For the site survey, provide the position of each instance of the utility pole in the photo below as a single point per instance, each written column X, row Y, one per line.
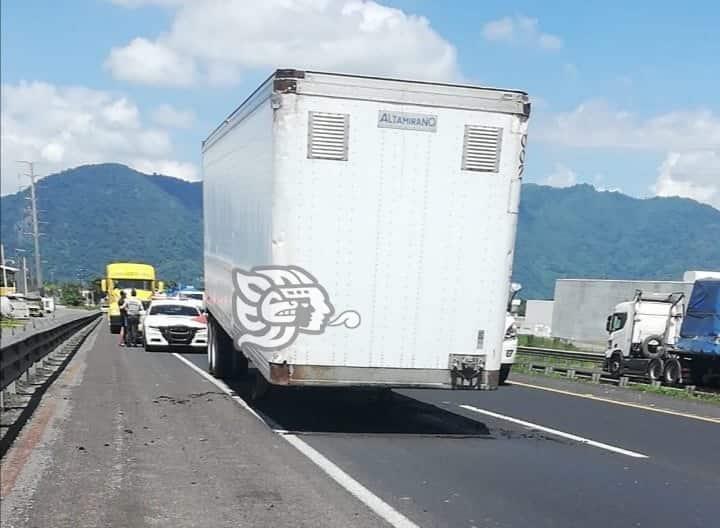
column 25, row 270
column 2, row 261
column 35, row 232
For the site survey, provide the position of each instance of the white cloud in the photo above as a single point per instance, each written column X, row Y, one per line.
column 596, row 124
column 693, row 175
column 177, row 169
column 521, row 30
column 61, row 127
column 502, row 29
column 149, row 62
column 561, row 176
column 217, row 40
column 169, row 116
column 690, row 140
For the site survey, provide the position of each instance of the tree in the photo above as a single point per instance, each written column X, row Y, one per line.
column 96, row 287
column 72, row 295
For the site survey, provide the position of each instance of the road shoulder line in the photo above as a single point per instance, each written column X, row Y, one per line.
column 556, row 432
column 360, row 492
column 616, row 402
column 222, row 386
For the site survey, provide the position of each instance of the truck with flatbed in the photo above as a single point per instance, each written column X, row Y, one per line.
column 360, row 231
column 666, row 337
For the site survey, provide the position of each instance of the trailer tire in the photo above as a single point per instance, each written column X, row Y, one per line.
column 504, row 373
column 655, row 369
column 672, row 374
column 223, row 360
column 615, row 365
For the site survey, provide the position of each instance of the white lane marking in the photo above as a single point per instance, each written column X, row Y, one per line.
column 372, row 501
column 220, row 385
column 357, row 490
column 556, row 432
column 625, row 404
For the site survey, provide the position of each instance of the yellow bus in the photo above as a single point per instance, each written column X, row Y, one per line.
column 128, row 276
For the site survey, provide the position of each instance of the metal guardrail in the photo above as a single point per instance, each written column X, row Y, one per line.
column 19, row 356
column 570, row 355
column 594, row 374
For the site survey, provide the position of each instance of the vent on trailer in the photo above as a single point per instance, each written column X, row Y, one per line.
column 328, row 136
column 481, row 148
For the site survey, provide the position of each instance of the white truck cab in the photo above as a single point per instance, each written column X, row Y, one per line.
column 48, row 304
column 640, row 330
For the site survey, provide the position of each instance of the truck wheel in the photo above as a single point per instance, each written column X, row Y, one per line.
column 615, row 365
column 217, row 358
column 223, row 360
column 504, row 373
column 655, row 369
column 652, row 347
column 672, row 375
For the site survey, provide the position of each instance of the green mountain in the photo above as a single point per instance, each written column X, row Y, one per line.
column 581, row 232
column 99, row 213
column 96, row 214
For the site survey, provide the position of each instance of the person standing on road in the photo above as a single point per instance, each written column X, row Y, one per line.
column 133, row 307
column 123, row 317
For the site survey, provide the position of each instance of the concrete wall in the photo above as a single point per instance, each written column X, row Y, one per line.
column 582, row 305
column 538, row 318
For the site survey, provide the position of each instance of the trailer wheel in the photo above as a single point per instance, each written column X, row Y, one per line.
column 211, row 347
column 217, row 356
column 655, row 369
column 504, row 373
column 615, row 365
column 223, row 360
column 652, row 347
column 672, row 375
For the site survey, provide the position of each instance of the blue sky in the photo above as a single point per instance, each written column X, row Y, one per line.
column 625, row 93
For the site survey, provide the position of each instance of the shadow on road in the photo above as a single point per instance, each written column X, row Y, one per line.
column 345, row 411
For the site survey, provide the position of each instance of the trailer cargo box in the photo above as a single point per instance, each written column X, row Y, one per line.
column 360, row 231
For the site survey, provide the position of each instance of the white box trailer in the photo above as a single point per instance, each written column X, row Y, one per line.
column 360, row 231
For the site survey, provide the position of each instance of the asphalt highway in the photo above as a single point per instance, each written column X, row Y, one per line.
column 129, row 438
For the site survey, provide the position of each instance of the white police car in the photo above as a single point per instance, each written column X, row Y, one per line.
column 174, row 323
